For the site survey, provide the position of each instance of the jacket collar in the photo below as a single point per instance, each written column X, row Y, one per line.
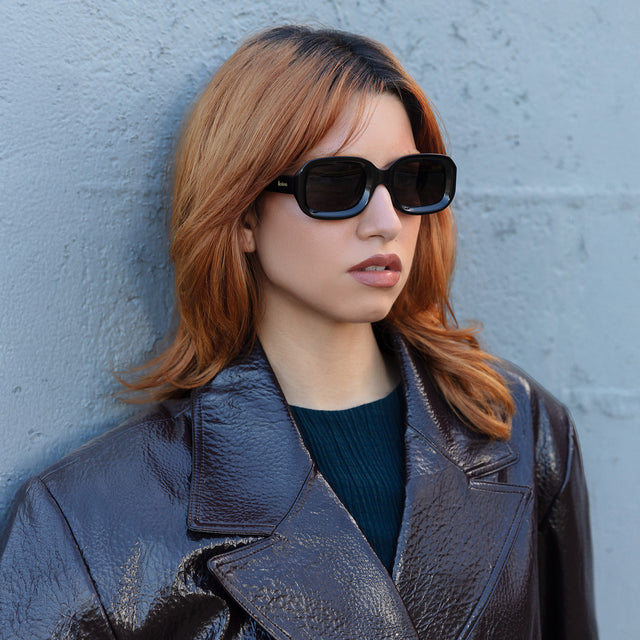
column 253, row 476
column 429, row 415
column 250, row 463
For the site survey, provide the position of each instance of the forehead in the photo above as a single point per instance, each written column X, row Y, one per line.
column 371, row 126
column 348, row 126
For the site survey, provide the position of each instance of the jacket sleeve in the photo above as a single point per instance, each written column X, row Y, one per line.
column 45, row 588
column 564, row 539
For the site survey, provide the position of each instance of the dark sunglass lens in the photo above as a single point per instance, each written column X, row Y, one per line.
column 334, row 186
column 419, row 182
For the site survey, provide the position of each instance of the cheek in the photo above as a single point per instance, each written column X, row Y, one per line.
column 411, row 232
column 286, row 238
column 297, row 253
column 285, row 243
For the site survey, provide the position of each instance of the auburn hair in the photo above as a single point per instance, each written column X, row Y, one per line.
column 271, row 102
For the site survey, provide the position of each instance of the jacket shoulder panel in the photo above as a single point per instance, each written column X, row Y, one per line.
column 126, row 478
column 38, row 529
column 552, row 430
column 120, row 447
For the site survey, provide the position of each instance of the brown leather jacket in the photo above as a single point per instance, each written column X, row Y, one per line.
column 207, row 519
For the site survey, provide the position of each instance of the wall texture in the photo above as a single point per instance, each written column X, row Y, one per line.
column 540, row 101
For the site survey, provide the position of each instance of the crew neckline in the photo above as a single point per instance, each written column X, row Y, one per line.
column 373, row 404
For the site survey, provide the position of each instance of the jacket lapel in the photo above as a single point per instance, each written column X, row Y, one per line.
column 249, row 461
column 311, row 572
column 314, row 575
column 458, row 525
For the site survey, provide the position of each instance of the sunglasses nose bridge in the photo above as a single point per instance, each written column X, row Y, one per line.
column 378, row 177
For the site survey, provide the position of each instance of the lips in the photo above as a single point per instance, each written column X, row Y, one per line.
column 378, row 271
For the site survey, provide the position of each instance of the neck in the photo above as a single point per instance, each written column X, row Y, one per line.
column 329, row 367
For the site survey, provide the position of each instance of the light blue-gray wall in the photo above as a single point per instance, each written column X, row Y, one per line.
column 540, row 100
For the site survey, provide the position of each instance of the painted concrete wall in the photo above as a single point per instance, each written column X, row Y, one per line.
column 540, row 101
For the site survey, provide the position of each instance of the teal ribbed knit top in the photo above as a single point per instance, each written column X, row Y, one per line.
column 360, row 452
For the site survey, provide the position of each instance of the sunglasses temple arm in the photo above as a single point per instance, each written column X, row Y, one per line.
column 282, row 184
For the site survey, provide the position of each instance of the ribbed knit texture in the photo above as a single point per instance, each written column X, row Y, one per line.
column 360, row 452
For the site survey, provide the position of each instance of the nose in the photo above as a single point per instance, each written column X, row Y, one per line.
column 379, row 217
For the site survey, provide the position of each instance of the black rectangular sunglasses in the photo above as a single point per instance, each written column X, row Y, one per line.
column 340, row 187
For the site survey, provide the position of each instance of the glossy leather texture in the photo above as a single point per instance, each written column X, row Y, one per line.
column 206, row 519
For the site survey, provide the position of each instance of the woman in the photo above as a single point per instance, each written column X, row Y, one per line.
column 332, row 457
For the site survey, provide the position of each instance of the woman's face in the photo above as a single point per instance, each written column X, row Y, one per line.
column 317, row 269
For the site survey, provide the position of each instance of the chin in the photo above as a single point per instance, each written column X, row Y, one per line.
column 376, row 310
column 372, row 315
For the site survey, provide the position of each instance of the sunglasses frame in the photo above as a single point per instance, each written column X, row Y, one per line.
column 295, row 184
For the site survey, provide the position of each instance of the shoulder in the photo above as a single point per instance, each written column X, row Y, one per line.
column 157, row 427
column 148, row 455
column 550, row 427
column 75, row 529
column 548, row 417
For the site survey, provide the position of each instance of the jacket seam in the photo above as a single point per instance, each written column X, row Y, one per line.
column 250, row 608
column 479, row 470
column 247, row 529
column 246, row 603
column 242, row 553
column 297, row 501
column 198, row 447
column 77, row 546
column 178, row 414
column 544, row 521
column 116, row 436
